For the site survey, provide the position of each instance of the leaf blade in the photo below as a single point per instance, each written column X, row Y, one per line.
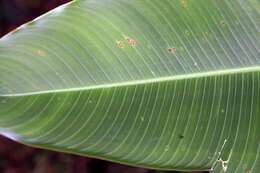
column 109, row 78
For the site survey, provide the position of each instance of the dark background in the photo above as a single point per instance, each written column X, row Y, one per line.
column 17, row 158
column 16, row 12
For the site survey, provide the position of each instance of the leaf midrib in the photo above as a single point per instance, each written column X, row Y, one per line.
column 144, row 81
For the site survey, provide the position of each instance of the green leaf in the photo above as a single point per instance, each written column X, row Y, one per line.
column 164, row 84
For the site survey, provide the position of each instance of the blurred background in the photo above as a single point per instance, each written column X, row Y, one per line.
column 17, row 158
column 16, row 12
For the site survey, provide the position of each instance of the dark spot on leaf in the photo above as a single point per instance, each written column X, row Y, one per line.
column 181, row 136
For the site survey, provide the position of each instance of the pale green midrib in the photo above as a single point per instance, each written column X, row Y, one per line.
column 145, row 81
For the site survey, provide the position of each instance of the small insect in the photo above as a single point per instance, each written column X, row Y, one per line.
column 120, row 44
column 131, row 41
column 172, row 50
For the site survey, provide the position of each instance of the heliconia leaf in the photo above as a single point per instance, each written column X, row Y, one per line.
column 165, row 84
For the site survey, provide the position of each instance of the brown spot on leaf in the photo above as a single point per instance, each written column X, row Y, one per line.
column 131, row 41
column 172, row 50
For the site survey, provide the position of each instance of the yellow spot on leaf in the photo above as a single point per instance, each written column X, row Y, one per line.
column 41, row 52
column 29, row 133
column 120, row 44
column 184, row 3
column 222, row 23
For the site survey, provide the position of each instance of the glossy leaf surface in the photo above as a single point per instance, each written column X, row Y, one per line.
column 165, row 84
